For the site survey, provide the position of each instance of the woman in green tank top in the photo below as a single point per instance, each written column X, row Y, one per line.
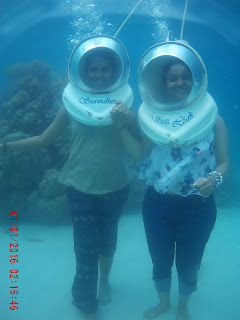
column 97, row 177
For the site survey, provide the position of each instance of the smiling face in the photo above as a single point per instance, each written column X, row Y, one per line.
column 99, row 73
column 178, row 81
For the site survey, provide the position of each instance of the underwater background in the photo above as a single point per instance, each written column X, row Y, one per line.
column 36, row 40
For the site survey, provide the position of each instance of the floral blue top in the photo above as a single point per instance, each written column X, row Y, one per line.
column 175, row 169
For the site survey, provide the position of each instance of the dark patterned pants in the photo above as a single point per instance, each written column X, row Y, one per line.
column 95, row 225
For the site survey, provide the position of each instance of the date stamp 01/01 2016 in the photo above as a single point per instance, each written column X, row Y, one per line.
column 13, row 259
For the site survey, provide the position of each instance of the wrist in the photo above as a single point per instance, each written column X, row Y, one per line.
column 123, row 130
column 217, row 177
column 120, row 125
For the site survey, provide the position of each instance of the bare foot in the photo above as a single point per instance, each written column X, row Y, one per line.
column 87, row 316
column 104, row 292
column 182, row 314
column 156, row 311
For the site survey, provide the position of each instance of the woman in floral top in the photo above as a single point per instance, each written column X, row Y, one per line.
column 179, row 210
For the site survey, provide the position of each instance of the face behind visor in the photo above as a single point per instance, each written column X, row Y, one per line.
column 171, row 76
column 177, row 80
column 99, row 64
column 100, row 69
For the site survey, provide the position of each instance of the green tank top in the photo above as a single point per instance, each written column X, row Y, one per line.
column 98, row 162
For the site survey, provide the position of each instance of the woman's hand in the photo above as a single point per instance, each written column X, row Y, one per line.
column 205, row 185
column 118, row 114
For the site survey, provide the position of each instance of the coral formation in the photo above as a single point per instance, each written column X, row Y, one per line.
column 28, row 107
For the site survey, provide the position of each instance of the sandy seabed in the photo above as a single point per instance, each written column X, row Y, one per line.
column 47, row 265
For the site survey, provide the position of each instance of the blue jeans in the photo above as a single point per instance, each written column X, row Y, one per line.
column 95, row 225
column 179, row 226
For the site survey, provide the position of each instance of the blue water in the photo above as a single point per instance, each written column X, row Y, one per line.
column 44, row 29
column 41, row 30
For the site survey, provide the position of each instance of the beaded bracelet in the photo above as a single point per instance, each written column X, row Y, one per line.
column 218, row 177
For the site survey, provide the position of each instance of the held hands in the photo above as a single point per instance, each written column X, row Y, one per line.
column 205, row 185
column 118, row 114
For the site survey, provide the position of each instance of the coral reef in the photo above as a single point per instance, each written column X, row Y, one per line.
column 28, row 107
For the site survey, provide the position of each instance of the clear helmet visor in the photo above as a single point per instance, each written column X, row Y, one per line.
column 171, row 76
column 99, row 64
